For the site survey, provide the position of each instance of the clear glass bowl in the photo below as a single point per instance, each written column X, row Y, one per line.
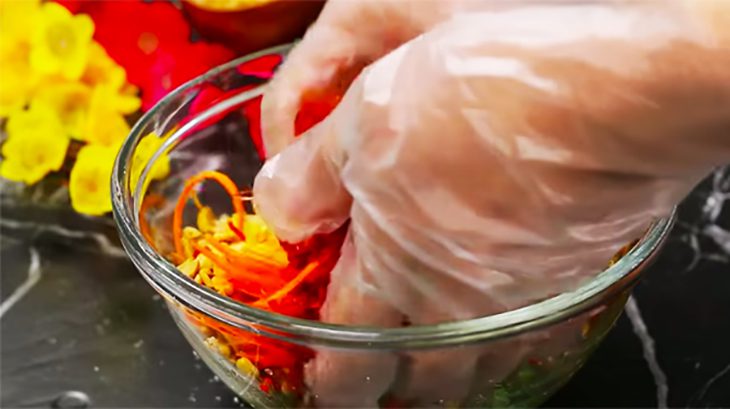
column 513, row 359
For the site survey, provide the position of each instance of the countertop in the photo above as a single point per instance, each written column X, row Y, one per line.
column 80, row 327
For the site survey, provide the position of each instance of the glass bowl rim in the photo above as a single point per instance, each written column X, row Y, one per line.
column 167, row 280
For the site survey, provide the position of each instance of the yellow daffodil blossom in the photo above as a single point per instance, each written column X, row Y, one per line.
column 60, row 42
column 17, row 20
column 102, row 70
column 89, row 184
column 70, row 100
column 17, row 83
column 144, row 151
column 105, row 125
column 121, row 100
column 36, row 145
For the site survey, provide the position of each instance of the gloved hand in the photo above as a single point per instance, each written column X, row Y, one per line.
column 501, row 157
column 347, row 36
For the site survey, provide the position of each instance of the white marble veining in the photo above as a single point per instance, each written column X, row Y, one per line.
column 647, row 344
column 709, row 225
column 702, row 392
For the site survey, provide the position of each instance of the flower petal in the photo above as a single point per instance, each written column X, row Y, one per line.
column 89, row 184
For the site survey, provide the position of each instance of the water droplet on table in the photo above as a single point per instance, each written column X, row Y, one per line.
column 71, row 400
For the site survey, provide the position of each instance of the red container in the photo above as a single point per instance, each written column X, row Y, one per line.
column 250, row 25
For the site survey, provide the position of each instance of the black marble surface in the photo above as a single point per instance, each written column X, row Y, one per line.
column 79, row 326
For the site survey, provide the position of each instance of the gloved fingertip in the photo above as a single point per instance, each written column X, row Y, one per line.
column 274, row 208
column 278, row 110
column 299, row 193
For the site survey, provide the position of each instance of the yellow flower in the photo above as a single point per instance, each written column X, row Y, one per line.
column 61, row 42
column 89, row 184
column 104, row 125
column 36, row 145
column 17, row 21
column 70, row 100
column 123, row 100
column 17, row 18
column 16, row 81
column 102, row 70
column 144, row 151
column 16, row 84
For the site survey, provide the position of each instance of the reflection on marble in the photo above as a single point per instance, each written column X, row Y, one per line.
column 75, row 317
column 34, row 274
column 105, row 245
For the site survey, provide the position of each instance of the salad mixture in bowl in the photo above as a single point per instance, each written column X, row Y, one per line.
column 250, row 304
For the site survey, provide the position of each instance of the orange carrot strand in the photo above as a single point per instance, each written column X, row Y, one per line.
column 236, row 231
column 196, row 200
column 222, row 264
column 251, row 256
column 241, row 266
column 224, row 181
column 291, row 285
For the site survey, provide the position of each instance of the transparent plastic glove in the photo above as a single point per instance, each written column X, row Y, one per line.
column 498, row 159
column 347, row 36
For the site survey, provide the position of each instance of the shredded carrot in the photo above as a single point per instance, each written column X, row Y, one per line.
column 224, row 265
column 240, row 270
column 282, row 292
column 196, row 200
column 236, row 231
column 225, row 182
column 258, row 270
column 240, row 265
column 243, row 259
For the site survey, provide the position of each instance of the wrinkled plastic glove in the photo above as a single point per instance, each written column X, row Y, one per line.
column 347, row 36
column 499, row 158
